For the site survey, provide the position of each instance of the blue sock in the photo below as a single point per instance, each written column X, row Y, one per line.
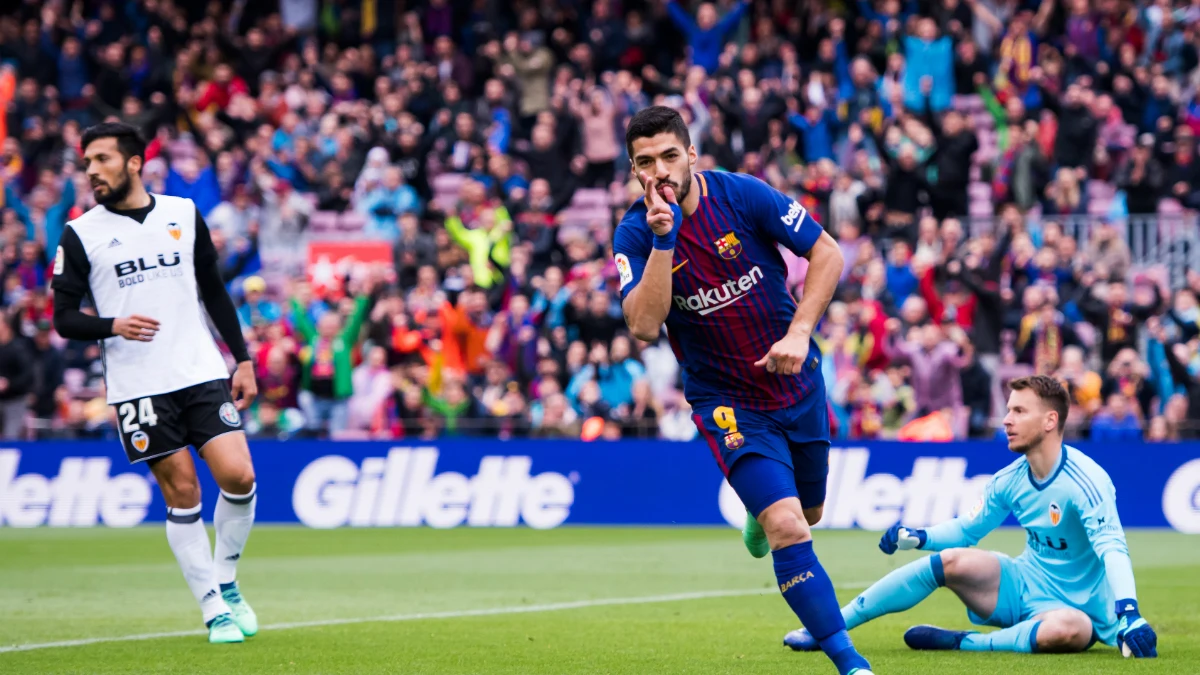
column 900, row 590
column 1019, row 638
column 809, row 592
column 228, row 586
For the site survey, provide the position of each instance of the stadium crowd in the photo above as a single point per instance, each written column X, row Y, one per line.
column 977, row 160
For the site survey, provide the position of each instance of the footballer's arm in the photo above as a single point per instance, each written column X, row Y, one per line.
column 963, row 531
column 70, row 284
column 647, row 305
column 1103, row 526
column 224, row 315
column 825, row 263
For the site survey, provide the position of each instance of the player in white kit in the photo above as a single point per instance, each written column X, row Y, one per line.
column 145, row 262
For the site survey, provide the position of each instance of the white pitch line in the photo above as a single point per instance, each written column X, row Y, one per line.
column 421, row 616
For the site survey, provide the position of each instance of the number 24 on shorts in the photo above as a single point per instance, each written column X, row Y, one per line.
column 144, row 411
column 724, row 418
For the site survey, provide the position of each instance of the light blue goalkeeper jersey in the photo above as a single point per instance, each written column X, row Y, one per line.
column 1074, row 537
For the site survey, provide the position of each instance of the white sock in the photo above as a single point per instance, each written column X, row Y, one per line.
column 189, row 543
column 233, row 520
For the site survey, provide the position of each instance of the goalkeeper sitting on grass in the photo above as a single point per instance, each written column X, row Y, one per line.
column 1073, row 584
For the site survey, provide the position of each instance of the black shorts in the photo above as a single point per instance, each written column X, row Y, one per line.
column 156, row 426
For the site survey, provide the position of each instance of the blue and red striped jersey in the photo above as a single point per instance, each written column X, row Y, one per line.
column 729, row 301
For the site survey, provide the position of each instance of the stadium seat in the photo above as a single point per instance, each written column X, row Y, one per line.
column 968, row 103
column 1170, row 207
column 323, row 221
column 352, row 221
column 590, row 197
column 448, row 182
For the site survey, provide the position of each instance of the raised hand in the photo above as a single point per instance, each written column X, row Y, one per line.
column 660, row 217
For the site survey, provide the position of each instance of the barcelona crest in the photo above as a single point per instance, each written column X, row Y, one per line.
column 735, row 440
column 728, row 247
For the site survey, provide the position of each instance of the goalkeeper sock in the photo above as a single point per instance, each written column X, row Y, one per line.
column 1019, row 638
column 809, row 592
column 900, row 590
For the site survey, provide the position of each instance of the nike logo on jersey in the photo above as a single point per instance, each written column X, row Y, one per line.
column 114, row 242
column 676, row 268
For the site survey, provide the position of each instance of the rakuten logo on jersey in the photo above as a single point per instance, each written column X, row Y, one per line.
column 81, row 495
column 709, row 300
column 404, row 489
column 936, row 490
column 1181, row 498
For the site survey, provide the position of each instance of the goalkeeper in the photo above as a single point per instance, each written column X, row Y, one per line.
column 1071, row 587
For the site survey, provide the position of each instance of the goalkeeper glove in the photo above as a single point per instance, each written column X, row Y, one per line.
column 1135, row 637
column 901, row 538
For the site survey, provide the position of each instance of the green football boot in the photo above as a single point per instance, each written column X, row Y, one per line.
column 754, row 538
column 243, row 616
column 223, row 630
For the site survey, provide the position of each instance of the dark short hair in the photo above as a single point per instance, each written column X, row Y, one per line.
column 129, row 141
column 652, row 121
column 1050, row 391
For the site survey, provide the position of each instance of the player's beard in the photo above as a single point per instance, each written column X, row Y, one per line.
column 115, row 193
column 681, row 189
column 1024, row 448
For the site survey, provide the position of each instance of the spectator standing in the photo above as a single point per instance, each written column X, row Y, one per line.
column 1116, row 422
column 597, row 115
column 1116, row 319
column 706, row 35
column 929, row 67
column 1141, row 177
column 16, row 379
column 936, row 363
column 327, row 371
column 387, row 203
column 47, row 365
column 256, row 310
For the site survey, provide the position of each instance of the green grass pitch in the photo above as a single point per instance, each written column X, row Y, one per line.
column 519, row 602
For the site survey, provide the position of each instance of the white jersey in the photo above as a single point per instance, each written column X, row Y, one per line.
column 147, row 268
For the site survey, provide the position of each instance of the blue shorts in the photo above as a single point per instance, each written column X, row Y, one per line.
column 1025, row 592
column 795, row 440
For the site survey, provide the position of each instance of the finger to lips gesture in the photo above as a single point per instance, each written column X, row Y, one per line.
column 659, row 215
